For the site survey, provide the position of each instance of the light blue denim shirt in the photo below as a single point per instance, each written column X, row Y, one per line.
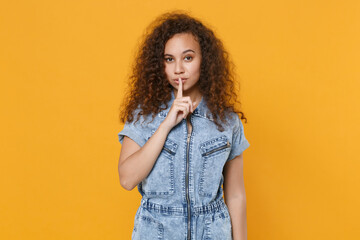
column 187, row 176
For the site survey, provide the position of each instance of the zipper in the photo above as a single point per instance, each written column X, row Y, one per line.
column 217, row 149
column 187, row 182
column 168, row 150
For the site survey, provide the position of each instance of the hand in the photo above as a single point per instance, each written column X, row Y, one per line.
column 180, row 108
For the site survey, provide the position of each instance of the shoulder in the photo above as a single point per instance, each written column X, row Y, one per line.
column 138, row 118
column 233, row 121
column 146, row 122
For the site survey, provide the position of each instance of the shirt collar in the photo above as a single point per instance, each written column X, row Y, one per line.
column 201, row 110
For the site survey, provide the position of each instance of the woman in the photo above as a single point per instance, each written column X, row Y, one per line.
column 180, row 134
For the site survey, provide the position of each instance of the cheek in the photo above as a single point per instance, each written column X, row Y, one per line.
column 196, row 68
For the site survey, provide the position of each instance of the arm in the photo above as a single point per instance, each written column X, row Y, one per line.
column 135, row 162
column 234, row 191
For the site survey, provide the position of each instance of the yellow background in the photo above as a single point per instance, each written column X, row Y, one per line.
column 63, row 66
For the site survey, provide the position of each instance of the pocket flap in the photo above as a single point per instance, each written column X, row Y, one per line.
column 214, row 145
column 170, row 146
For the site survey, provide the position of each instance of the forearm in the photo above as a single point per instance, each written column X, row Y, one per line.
column 138, row 165
column 237, row 210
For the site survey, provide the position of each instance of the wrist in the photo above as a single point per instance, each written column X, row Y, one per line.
column 165, row 127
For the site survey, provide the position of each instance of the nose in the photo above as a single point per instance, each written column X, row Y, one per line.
column 179, row 68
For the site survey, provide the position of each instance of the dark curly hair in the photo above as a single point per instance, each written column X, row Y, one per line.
column 149, row 87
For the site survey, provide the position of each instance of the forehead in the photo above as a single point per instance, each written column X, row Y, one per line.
column 180, row 42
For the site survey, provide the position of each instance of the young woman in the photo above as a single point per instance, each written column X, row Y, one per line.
column 183, row 138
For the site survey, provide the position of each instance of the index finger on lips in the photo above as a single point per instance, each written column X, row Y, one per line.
column 180, row 90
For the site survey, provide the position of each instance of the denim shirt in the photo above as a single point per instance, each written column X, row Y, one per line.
column 188, row 172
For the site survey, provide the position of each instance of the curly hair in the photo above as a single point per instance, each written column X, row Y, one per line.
column 148, row 84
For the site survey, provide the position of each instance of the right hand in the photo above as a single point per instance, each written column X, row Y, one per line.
column 180, row 108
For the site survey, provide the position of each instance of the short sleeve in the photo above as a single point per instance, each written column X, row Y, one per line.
column 133, row 131
column 239, row 142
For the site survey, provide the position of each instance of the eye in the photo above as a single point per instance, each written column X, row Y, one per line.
column 188, row 58
column 169, row 59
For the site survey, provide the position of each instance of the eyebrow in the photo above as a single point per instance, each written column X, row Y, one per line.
column 189, row 50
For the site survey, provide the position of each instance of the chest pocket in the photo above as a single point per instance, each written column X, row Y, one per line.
column 160, row 181
column 213, row 156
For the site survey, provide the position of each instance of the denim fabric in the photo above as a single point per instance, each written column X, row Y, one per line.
column 182, row 197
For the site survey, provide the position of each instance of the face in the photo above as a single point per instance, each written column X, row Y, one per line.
column 182, row 58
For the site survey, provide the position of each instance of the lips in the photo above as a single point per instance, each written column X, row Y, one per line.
column 177, row 80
